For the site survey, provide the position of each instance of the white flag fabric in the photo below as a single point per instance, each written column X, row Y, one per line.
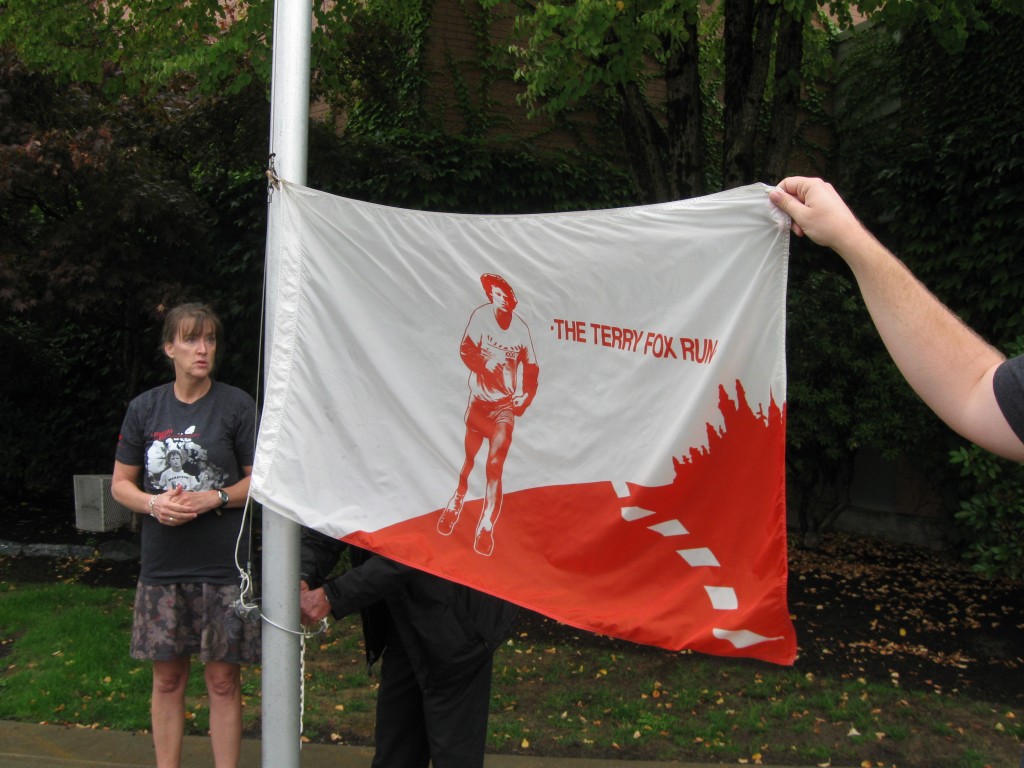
column 582, row 413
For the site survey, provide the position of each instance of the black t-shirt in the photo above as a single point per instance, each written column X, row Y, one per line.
column 1009, row 388
column 198, row 446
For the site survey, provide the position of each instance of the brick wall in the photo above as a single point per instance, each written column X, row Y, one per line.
column 454, row 64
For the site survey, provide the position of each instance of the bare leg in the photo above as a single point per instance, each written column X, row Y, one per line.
column 497, row 451
column 167, row 710
column 224, row 685
column 450, row 515
column 472, row 444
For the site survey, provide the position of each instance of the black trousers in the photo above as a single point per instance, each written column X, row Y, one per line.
column 446, row 726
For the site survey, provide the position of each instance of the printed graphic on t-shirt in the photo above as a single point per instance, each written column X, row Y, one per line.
column 178, row 460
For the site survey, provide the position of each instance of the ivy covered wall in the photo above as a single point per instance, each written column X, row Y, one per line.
column 931, row 157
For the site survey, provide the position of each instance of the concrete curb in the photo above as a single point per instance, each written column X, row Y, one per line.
column 26, row 745
column 118, row 549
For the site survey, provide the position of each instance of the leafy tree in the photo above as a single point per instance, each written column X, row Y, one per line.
column 991, row 513
column 658, row 65
column 135, row 46
column 687, row 80
column 691, row 81
column 109, row 210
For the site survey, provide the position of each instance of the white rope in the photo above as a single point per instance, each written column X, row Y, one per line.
column 302, row 686
column 243, row 607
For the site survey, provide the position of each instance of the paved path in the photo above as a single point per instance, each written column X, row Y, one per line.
column 54, row 746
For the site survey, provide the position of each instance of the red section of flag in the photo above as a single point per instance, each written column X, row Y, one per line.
column 699, row 563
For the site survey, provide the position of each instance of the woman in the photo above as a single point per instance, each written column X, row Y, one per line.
column 171, row 436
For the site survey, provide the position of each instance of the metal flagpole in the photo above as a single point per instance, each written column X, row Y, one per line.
column 289, row 134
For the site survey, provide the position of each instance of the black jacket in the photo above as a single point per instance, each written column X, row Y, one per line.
column 447, row 629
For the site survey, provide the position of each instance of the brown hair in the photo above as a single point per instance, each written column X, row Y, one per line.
column 188, row 319
column 489, row 280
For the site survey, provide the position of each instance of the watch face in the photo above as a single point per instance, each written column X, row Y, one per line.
column 223, row 496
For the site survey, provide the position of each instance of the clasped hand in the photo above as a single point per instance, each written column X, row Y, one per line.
column 177, row 506
column 313, row 604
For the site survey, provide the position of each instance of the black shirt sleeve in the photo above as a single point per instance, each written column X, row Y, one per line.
column 319, row 554
column 372, row 580
column 1008, row 384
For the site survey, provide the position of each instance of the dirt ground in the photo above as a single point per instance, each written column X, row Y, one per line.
column 880, row 608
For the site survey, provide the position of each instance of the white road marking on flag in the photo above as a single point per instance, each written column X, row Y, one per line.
column 741, row 638
column 700, row 556
column 635, row 513
column 629, row 513
column 723, row 598
column 669, row 528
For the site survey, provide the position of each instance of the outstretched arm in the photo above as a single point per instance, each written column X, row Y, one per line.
column 945, row 362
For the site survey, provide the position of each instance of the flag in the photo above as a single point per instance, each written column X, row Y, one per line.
column 582, row 413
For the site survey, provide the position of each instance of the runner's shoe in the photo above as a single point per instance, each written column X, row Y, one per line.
column 484, row 541
column 450, row 516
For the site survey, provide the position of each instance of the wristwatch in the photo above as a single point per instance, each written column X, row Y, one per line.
column 223, row 496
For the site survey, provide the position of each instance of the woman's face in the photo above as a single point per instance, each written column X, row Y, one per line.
column 193, row 351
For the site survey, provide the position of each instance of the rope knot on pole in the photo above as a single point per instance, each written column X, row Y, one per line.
column 272, row 180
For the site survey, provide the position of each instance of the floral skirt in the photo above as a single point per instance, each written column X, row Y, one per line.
column 173, row 620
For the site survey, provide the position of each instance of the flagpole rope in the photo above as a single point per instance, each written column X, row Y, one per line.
column 246, row 606
column 243, row 607
column 321, row 628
